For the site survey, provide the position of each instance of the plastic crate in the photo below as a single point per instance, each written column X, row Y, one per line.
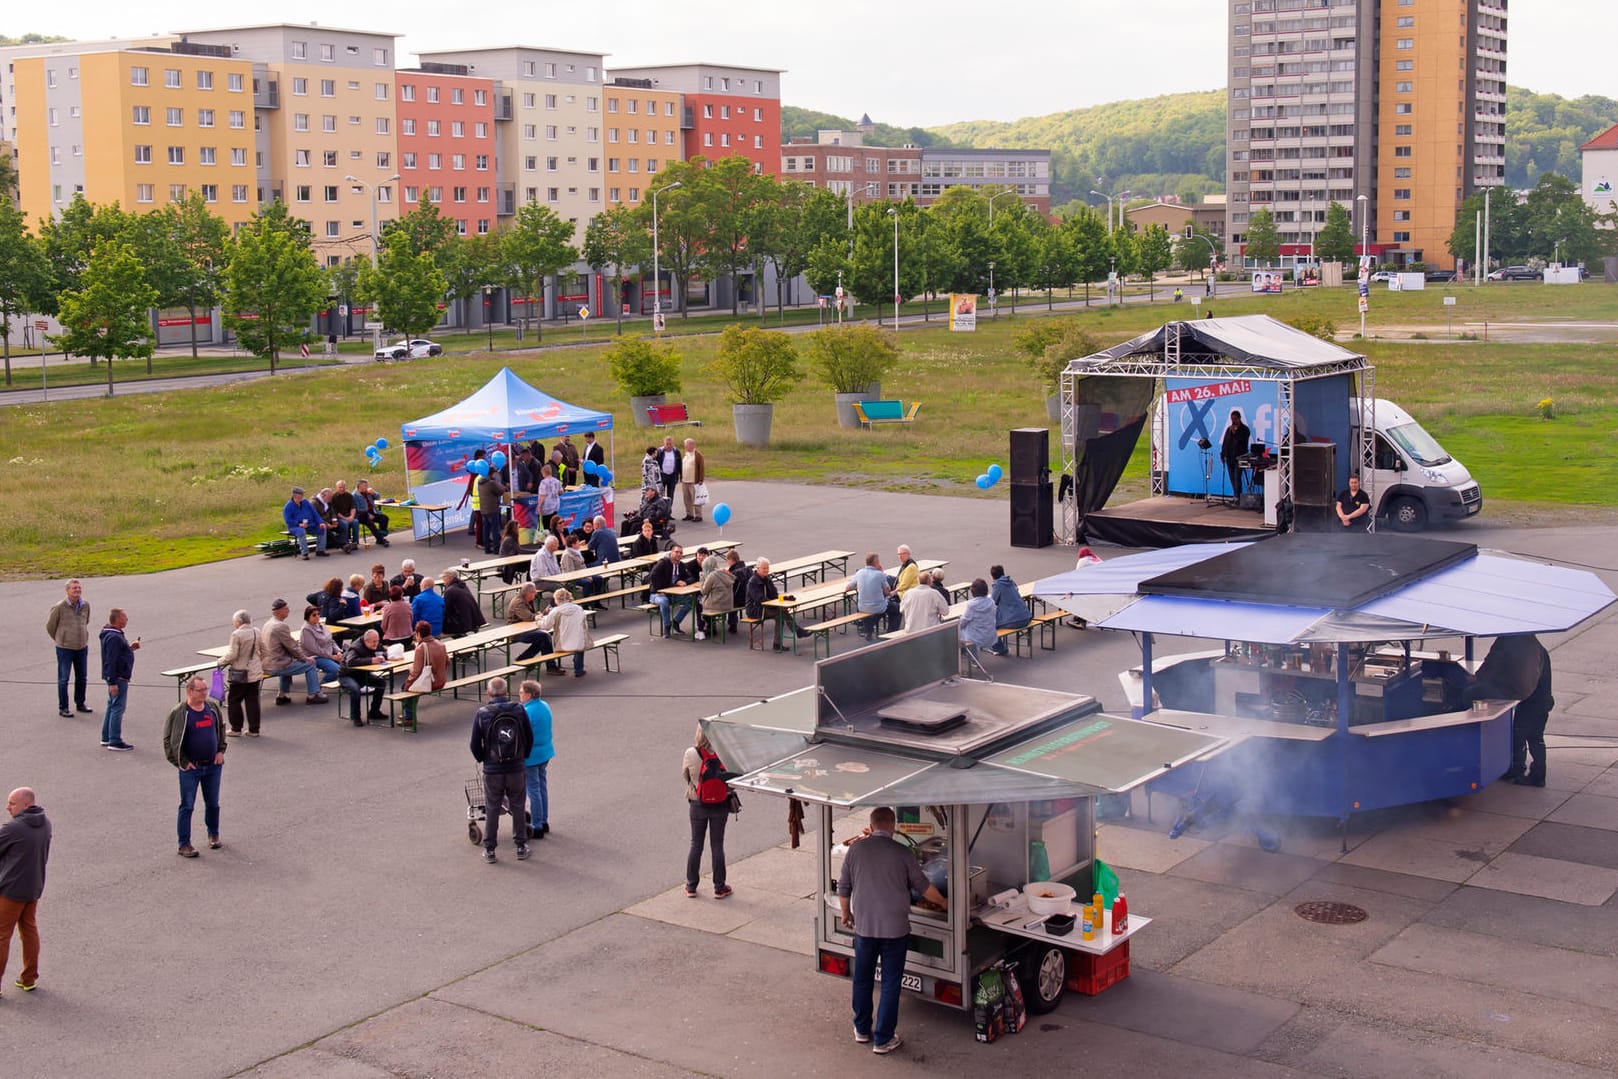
column 1091, row 974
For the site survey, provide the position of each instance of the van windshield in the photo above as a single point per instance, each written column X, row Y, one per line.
column 1418, row 445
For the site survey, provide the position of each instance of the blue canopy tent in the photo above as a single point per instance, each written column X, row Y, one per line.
column 505, row 413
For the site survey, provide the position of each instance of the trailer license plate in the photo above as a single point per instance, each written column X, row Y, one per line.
column 911, row 982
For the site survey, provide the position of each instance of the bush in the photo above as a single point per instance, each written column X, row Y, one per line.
column 1049, row 345
column 1315, row 326
column 850, row 358
column 642, row 368
column 758, row 366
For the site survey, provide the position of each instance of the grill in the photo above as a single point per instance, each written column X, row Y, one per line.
column 1325, row 912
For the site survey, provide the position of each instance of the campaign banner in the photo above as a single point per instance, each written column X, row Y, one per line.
column 1268, row 281
column 963, row 312
column 1181, row 394
column 1195, row 413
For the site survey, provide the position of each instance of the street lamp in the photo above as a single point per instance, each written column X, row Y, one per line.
column 992, row 306
column 1001, row 195
column 359, row 184
column 488, row 312
column 894, row 213
column 1363, row 203
column 1120, row 197
column 657, row 281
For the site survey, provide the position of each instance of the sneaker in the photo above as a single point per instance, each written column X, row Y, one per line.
column 862, row 1039
column 214, row 842
column 119, row 747
column 318, row 698
column 690, row 892
column 488, row 855
column 252, row 734
column 888, row 1046
column 105, row 743
column 677, row 631
column 187, row 851
column 64, row 713
column 79, row 708
column 523, row 852
column 322, row 554
column 282, row 698
column 233, row 734
column 724, row 891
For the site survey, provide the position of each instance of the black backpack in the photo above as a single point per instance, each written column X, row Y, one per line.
column 502, row 742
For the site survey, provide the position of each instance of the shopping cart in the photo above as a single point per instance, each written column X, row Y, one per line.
column 476, row 810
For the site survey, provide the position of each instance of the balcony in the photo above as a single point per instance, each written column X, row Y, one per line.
column 266, row 95
column 505, row 199
column 688, row 118
column 503, row 108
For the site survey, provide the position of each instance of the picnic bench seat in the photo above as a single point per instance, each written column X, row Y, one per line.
column 1045, row 624
column 671, row 415
column 499, row 594
column 453, row 687
column 821, row 632
column 873, row 412
column 620, row 594
column 609, row 653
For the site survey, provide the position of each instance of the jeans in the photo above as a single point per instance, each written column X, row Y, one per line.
column 112, row 725
column 74, row 661
column 301, row 537
column 537, row 641
column 377, row 523
column 353, row 684
column 491, row 532
column 311, row 677
column 242, row 698
column 666, row 604
column 539, row 796
column 707, row 820
column 891, row 951
column 348, row 533
column 207, row 777
column 20, row 916
column 670, row 481
column 501, row 790
column 328, row 667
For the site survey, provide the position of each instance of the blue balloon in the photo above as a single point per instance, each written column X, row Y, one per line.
column 604, row 476
column 994, row 473
column 498, row 457
column 480, row 468
column 372, row 451
column 381, row 443
column 721, row 515
column 590, row 467
column 985, row 482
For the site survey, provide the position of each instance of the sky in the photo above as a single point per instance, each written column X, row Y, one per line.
column 908, row 65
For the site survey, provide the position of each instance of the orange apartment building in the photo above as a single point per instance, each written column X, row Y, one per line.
column 447, row 145
column 728, row 110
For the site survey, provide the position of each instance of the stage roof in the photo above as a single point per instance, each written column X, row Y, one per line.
column 1248, row 342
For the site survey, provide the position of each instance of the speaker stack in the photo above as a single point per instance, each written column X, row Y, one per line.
column 1314, row 475
column 1032, row 507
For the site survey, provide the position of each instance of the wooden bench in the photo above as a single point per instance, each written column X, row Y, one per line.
column 755, row 631
column 453, row 686
column 1044, row 623
column 620, row 594
column 499, row 594
column 821, row 631
column 609, row 654
column 671, row 415
column 874, row 412
column 183, row 674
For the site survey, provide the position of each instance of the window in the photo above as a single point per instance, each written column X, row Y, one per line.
column 407, row 91
column 435, row 194
column 210, row 192
column 1401, row 151
column 758, row 142
column 407, row 125
column 204, row 117
column 171, row 78
column 550, row 164
column 382, row 125
column 457, row 129
column 300, row 121
column 238, row 119
column 707, row 112
column 300, row 87
column 550, row 101
column 550, row 194
column 384, row 159
column 235, row 83
column 412, row 193
column 634, row 194
column 458, row 162
column 480, row 97
column 593, row 164
column 328, row 124
column 707, row 138
column 407, row 160
column 1406, row 43
column 1401, row 193
column 634, row 164
column 550, row 71
column 300, row 50
column 238, row 192
column 328, row 53
column 550, row 132
column 1404, row 65
column 432, row 129
column 480, row 130
column 238, row 155
column 668, row 138
column 138, row 76
column 1401, row 129
column 328, row 87
column 592, row 134
column 176, row 192
column 595, row 194
column 144, row 193
column 379, row 57
column 176, row 155
column 724, row 112
column 589, row 74
column 668, row 108
column 530, row 131
column 384, row 193
column 612, row 105
column 381, row 91
column 1401, row 215
column 204, row 80
column 330, row 191
column 432, row 95
column 612, row 164
column 589, row 104
column 458, row 193
column 143, row 114
column 1406, row 22
column 724, row 138
column 1402, row 108
column 300, row 158
column 208, row 155
column 1403, row 88
column 329, row 159
column 1401, row 237
column 143, row 155
column 175, row 117
column 435, row 161
column 481, row 162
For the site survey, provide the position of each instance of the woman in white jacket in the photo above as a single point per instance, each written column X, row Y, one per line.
column 569, row 627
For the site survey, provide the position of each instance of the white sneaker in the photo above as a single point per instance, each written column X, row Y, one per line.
column 888, row 1046
column 699, row 635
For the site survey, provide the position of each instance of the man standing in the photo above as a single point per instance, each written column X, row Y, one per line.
column 668, row 467
column 870, row 586
column 194, row 743
column 369, row 514
column 501, row 740
column 1518, row 668
column 25, row 847
column 1353, row 505
column 117, row 668
column 284, row 657
column 877, row 878
column 594, row 452
column 570, row 461
column 1010, row 609
column 1233, row 445
column 69, row 626
column 302, row 522
column 345, row 513
column 490, row 491
column 692, row 474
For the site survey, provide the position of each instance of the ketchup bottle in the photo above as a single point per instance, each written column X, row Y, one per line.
column 1120, row 915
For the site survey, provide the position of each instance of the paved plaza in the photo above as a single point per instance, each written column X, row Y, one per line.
column 349, row 929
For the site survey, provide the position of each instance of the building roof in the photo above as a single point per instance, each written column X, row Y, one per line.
column 285, row 26
column 1607, row 140
column 703, row 63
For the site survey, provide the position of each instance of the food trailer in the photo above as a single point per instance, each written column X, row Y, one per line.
column 988, row 780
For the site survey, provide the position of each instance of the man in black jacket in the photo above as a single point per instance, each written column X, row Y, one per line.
column 593, row 452
column 462, row 615
column 666, row 573
column 356, row 654
column 760, row 590
column 25, row 847
column 502, row 738
column 1518, row 668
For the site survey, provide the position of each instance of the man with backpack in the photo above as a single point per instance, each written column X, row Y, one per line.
column 708, row 796
column 501, row 740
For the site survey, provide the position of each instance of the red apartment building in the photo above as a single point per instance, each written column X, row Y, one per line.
column 728, row 110
column 447, row 144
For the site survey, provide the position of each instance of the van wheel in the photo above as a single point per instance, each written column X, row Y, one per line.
column 1043, row 974
column 1407, row 514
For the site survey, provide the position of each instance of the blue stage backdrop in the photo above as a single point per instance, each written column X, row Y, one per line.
column 1200, row 408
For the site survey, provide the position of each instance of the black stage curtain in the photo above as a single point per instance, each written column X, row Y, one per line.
column 1109, row 416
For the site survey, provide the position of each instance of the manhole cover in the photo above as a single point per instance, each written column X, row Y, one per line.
column 1327, row 913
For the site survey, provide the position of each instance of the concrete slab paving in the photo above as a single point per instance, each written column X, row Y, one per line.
column 1605, row 784
column 1378, row 880
column 1510, row 800
column 778, row 869
column 1418, row 856
column 1572, row 776
column 1146, row 849
column 1367, row 1050
column 1570, row 842
column 790, row 929
column 1590, row 810
column 1249, row 868
column 706, row 913
column 1184, row 1010
column 1547, row 922
column 1187, row 915
column 1459, row 822
column 1550, row 878
column 1505, row 963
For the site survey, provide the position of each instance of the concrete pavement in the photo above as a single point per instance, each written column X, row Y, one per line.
column 349, row 929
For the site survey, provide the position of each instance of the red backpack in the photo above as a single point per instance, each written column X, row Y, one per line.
column 711, row 788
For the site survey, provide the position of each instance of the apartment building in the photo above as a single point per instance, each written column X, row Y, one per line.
column 643, row 136
column 1028, row 172
column 841, row 162
column 1394, row 109
column 446, row 145
column 142, row 127
column 1599, row 159
column 324, row 117
column 728, row 110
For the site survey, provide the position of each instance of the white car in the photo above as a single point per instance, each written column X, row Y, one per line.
column 1381, row 277
column 413, row 349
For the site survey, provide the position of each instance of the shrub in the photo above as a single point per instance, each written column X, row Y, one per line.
column 758, row 366
column 850, row 358
column 1049, row 345
column 1314, row 325
column 643, row 368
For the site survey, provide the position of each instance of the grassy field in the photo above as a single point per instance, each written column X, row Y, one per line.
column 201, row 474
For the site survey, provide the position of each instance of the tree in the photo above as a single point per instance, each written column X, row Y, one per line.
column 849, row 358
column 534, row 246
column 729, row 190
column 24, row 273
column 1335, row 240
column 784, row 231
column 406, row 286
column 759, row 367
column 68, row 240
column 426, row 231
column 8, row 176
column 274, row 286
column 107, row 316
column 1091, row 249
column 679, row 221
column 468, row 264
column 1504, row 227
column 1263, row 239
column 1556, row 219
column 344, row 282
column 1055, row 263
column 871, row 266
column 617, row 239
column 1154, row 255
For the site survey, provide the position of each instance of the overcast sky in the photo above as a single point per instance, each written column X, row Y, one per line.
column 905, row 64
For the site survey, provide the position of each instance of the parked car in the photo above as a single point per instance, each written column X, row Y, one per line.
column 1382, row 276
column 1515, row 273
column 1440, row 275
column 414, row 349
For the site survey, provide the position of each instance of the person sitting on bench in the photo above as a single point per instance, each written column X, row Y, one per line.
column 1010, row 610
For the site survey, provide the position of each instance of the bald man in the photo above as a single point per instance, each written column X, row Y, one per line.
column 25, row 847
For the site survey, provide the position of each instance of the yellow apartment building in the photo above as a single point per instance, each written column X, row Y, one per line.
column 643, row 135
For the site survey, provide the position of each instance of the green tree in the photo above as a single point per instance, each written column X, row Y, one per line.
column 729, row 190
column 187, row 248
column 617, row 239
column 785, row 230
column 274, row 286
column 1556, row 218
column 931, row 249
column 24, row 273
column 681, row 221
column 1335, row 240
column 534, row 246
column 1156, row 252
column 8, row 176
column 468, row 264
column 69, row 238
column 827, row 264
column 1056, row 263
column 1091, row 249
column 344, row 283
column 426, row 231
column 1504, row 227
column 108, row 315
column 849, row 358
column 871, row 265
column 1263, row 239
column 407, row 287
column 758, row 366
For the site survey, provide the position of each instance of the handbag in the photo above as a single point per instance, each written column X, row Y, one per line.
column 423, row 682
column 701, row 494
column 733, row 802
column 237, row 675
column 216, row 688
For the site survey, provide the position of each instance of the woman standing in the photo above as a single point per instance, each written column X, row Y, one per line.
column 539, row 759
column 397, row 624
column 709, row 801
column 243, row 673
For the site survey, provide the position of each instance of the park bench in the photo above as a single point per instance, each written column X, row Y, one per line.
column 609, row 653
column 671, row 415
column 1045, row 624
column 873, row 412
column 821, row 632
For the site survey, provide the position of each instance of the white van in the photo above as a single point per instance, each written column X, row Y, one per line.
column 1415, row 481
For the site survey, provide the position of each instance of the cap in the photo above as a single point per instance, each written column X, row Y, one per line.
column 278, row 604
column 297, row 490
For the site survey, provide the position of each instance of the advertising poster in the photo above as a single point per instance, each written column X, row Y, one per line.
column 963, row 312
column 1268, row 281
column 1200, row 409
column 1306, row 276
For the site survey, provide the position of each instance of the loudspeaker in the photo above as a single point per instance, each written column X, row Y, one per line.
column 1031, row 514
column 1030, row 455
column 1314, row 473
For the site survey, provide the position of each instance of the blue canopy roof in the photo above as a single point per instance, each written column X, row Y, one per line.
column 506, row 409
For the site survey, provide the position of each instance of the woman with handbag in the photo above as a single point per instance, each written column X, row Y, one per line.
column 243, row 674
column 429, row 667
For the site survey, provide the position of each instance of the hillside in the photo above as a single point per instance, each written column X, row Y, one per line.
column 1175, row 144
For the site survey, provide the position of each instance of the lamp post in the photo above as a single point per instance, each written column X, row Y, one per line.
column 992, row 306
column 488, row 313
column 358, row 184
column 894, row 213
column 992, row 198
column 1363, row 203
column 657, row 280
column 1119, row 197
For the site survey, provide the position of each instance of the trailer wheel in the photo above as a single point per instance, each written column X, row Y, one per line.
column 474, row 833
column 1043, row 972
column 1407, row 514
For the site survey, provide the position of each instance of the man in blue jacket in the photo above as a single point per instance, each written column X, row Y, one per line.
column 302, row 521
column 117, row 668
column 603, row 544
column 1009, row 608
column 428, row 606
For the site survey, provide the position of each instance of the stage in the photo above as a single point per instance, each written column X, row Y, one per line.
column 1170, row 520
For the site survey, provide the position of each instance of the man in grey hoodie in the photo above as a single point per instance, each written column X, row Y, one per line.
column 25, row 846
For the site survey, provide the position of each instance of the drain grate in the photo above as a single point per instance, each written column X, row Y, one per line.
column 1324, row 912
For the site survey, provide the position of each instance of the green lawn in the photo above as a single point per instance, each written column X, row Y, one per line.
column 201, row 474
